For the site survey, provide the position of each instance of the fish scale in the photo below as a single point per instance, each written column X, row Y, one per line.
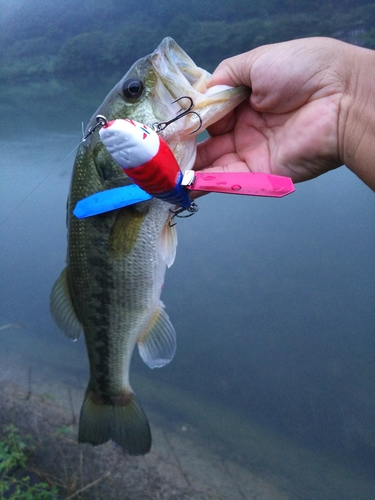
column 111, row 286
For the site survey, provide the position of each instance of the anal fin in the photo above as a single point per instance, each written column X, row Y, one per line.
column 157, row 345
column 62, row 308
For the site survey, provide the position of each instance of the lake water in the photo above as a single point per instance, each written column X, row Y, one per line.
column 272, row 301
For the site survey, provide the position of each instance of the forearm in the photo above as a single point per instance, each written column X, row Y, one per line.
column 357, row 116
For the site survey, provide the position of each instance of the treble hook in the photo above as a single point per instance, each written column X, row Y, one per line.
column 192, row 209
column 100, row 122
column 158, row 127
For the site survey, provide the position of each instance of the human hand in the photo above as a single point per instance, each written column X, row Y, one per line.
column 294, row 122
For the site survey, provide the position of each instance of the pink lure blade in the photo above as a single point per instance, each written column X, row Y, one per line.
column 245, row 183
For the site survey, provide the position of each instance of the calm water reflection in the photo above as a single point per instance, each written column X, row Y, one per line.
column 272, row 300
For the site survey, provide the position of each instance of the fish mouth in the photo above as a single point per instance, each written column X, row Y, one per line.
column 178, row 76
column 167, row 75
column 177, row 70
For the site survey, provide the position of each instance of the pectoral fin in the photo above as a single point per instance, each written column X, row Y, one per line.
column 62, row 308
column 158, row 344
column 168, row 242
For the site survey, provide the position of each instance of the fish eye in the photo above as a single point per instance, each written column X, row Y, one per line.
column 132, row 88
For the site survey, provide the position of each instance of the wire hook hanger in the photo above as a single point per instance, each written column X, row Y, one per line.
column 101, row 121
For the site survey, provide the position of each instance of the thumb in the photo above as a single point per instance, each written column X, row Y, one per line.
column 234, row 71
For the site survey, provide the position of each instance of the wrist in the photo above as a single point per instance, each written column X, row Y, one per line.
column 357, row 115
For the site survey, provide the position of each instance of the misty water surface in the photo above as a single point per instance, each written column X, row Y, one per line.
column 272, row 300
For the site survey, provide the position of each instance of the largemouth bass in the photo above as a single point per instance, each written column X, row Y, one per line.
column 111, row 286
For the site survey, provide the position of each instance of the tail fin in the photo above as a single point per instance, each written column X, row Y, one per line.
column 125, row 423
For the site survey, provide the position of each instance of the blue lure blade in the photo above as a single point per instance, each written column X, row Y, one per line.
column 111, row 199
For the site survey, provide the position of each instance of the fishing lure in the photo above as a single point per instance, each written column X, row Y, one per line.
column 146, row 158
column 149, row 162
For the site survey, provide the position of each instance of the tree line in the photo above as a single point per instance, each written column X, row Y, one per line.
column 62, row 45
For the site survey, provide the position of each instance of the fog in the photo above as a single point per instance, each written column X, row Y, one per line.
column 272, row 299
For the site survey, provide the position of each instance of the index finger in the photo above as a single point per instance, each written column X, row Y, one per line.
column 211, row 149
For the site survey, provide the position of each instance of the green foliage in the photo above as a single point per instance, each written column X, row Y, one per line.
column 14, row 452
column 64, row 430
column 85, row 53
column 82, row 44
column 369, row 38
